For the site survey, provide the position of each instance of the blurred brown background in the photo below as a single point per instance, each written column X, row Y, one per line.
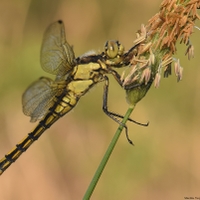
column 165, row 162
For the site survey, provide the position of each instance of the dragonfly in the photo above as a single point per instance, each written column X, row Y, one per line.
column 46, row 100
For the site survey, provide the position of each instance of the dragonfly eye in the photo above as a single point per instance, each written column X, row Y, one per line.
column 113, row 48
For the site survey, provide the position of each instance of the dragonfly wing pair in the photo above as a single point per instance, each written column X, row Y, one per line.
column 38, row 98
column 58, row 58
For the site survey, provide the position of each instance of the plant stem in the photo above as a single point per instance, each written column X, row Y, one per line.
column 106, row 157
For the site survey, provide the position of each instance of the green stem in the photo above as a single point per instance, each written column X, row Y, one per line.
column 106, row 156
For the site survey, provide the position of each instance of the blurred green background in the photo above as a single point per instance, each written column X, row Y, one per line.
column 165, row 162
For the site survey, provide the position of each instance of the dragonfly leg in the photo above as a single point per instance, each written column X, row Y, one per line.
column 117, row 77
column 111, row 114
column 105, row 101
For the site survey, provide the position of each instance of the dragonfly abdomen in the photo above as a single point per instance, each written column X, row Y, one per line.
column 63, row 105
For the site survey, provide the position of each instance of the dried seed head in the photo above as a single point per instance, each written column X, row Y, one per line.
column 168, row 70
column 180, row 76
column 190, row 52
column 145, row 48
column 132, row 76
column 176, row 67
column 178, row 70
column 151, row 57
column 157, row 42
column 146, row 75
column 157, row 80
column 143, row 30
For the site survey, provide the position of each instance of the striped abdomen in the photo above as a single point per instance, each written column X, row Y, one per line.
column 63, row 105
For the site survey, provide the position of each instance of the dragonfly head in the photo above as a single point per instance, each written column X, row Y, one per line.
column 113, row 49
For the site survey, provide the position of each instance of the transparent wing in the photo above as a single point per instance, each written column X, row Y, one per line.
column 57, row 56
column 38, row 98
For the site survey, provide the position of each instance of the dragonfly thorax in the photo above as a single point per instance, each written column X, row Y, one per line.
column 90, row 71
